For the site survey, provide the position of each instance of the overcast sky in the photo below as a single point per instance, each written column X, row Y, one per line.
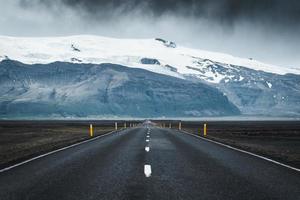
column 267, row 30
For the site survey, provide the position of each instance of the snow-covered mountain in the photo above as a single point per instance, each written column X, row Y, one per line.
column 128, row 52
column 253, row 87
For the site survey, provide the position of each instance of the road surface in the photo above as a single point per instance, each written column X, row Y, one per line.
column 167, row 164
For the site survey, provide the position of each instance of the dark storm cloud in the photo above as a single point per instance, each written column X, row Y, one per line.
column 266, row 30
column 282, row 13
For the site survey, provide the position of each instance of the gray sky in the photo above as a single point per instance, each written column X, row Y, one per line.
column 267, row 30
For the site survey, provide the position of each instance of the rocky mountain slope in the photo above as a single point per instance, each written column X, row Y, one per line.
column 106, row 90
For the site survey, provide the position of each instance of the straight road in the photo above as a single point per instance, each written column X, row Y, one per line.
column 149, row 163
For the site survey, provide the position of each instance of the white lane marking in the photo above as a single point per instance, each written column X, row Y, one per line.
column 148, row 136
column 147, row 140
column 147, row 170
column 246, row 152
column 52, row 152
column 147, row 149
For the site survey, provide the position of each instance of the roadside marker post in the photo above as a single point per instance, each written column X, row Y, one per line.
column 116, row 126
column 179, row 126
column 125, row 125
column 91, row 130
column 170, row 126
column 204, row 130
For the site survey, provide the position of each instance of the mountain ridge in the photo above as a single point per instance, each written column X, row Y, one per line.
column 128, row 52
column 258, row 90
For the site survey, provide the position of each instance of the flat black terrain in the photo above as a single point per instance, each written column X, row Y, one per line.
column 279, row 140
column 20, row 140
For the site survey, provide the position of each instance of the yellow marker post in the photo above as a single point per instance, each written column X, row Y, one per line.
column 91, row 130
column 116, row 126
column 204, row 130
column 179, row 126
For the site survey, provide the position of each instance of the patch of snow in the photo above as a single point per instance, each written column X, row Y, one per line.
column 213, row 77
column 269, row 84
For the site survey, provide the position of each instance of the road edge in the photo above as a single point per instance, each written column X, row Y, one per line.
column 57, row 150
column 243, row 151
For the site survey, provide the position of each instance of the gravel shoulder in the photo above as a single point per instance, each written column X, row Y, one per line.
column 21, row 140
column 279, row 140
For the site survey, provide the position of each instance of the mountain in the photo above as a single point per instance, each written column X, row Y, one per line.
column 84, row 76
column 82, row 90
column 256, row 92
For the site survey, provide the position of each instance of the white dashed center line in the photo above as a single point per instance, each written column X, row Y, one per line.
column 147, row 170
column 147, row 149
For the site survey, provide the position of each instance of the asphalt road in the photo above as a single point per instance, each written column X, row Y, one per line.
column 182, row 167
